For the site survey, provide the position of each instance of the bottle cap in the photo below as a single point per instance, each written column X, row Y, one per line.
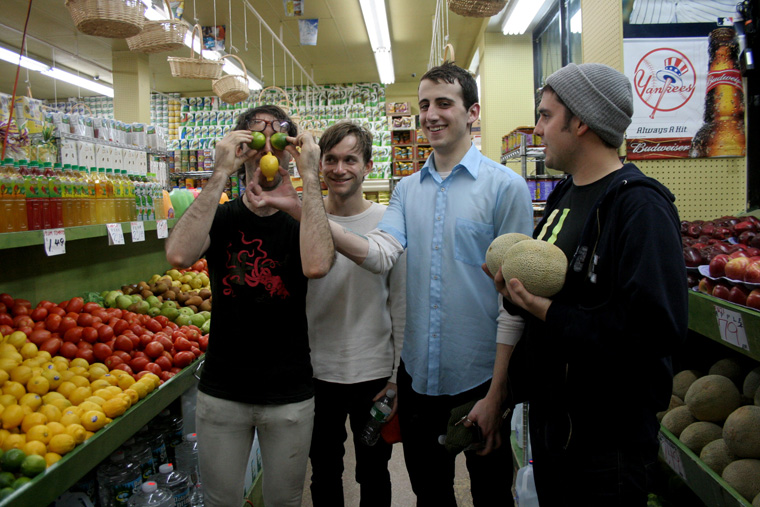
column 149, row 487
column 166, row 468
column 192, row 437
column 390, row 393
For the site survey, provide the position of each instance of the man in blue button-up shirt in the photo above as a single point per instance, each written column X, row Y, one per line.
column 457, row 341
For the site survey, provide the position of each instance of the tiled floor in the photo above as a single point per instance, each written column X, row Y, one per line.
column 402, row 489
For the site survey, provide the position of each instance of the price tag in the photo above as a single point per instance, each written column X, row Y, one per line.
column 138, row 232
column 162, row 229
column 55, row 241
column 731, row 327
column 115, row 234
column 672, row 456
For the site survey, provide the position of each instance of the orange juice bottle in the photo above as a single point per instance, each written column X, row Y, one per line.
column 19, row 219
column 86, row 194
column 55, row 194
column 101, row 195
column 130, row 197
column 67, row 193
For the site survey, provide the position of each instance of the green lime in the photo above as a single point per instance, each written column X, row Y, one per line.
column 6, row 479
column 258, row 142
column 279, row 140
column 21, row 482
column 6, row 492
column 12, row 459
column 33, row 465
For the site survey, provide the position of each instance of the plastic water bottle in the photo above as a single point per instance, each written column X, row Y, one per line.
column 187, row 461
column 118, row 479
column 170, row 427
column 525, row 487
column 140, row 452
column 155, row 441
column 377, row 415
column 150, row 495
column 176, row 481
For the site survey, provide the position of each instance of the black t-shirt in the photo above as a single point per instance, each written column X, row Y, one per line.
column 258, row 350
column 564, row 225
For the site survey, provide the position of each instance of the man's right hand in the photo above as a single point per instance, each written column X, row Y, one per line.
column 230, row 156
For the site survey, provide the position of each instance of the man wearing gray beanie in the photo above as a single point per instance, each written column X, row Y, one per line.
column 594, row 361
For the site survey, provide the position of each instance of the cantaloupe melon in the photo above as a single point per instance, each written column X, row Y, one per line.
column 751, row 383
column 697, row 435
column 677, row 419
column 498, row 248
column 712, row 398
column 732, row 368
column 741, row 431
column 744, row 476
column 716, row 455
column 539, row 265
column 675, row 402
column 683, row 380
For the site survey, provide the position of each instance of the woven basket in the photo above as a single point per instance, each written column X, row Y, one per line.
column 232, row 89
column 448, row 51
column 477, row 8
column 195, row 68
column 159, row 36
column 277, row 96
column 117, row 19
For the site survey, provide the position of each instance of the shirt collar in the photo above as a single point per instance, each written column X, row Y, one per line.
column 470, row 162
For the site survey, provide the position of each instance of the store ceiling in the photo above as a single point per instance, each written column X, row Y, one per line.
column 342, row 53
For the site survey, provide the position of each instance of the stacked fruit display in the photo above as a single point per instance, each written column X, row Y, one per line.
column 723, row 257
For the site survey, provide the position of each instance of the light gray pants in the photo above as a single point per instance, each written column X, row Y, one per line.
column 225, row 436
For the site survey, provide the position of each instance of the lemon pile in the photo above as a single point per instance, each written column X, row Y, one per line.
column 49, row 405
column 189, row 281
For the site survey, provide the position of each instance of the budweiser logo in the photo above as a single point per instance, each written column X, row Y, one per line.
column 644, row 147
column 730, row 77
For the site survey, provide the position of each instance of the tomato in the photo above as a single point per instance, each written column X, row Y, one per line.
column 101, row 313
column 23, row 302
column 66, row 324
column 154, row 349
column 72, row 315
column 51, row 346
column 6, row 299
column 26, row 330
column 145, row 339
column 162, row 319
column 84, row 319
column 135, row 340
column 166, row 375
column 23, row 321
column 115, row 312
column 39, row 314
column 125, row 367
column 166, row 342
column 89, row 334
column 152, row 325
column 39, row 336
column 6, row 320
column 138, row 364
column 62, row 305
column 75, row 305
column 140, row 375
column 112, row 361
column 197, row 266
column 101, row 351
column 3, row 308
column 164, row 362
column 183, row 358
column 68, row 350
column 84, row 345
column 172, row 325
column 196, row 351
column 153, row 368
column 73, row 335
column 19, row 310
column 175, row 369
column 123, row 343
column 90, row 307
column 182, row 344
column 125, row 356
column 96, row 323
column 86, row 354
column 203, row 343
column 5, row 329
column 120, row 326
column 137, row 329
column 105, row 333
column 139, row 353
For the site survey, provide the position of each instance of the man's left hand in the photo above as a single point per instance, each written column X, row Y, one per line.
column 283, row 196
column 486, row 413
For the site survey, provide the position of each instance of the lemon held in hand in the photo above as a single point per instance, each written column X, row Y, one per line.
column 258, row 141
column 269, row 166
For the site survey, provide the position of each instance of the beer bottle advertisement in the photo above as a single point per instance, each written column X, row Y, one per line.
column 688, row 90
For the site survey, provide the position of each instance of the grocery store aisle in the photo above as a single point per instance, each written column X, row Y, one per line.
column 402, row 495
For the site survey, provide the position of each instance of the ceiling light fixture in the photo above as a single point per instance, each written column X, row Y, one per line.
column 27, row 63
column 520, row 17
column 376, row 21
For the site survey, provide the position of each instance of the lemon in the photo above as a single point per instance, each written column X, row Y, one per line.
column 32, row 420
column 53, row 377
column 14, row 388
column 3, row 433
column 52, row 412
column 66, row 388
column 89, row 435
column 126, row 381
column 80, row 394
column 31, row 400
column 77, row 432
column 279, row 140
column 86, row 406
column 12, row 416
column 14, row 441
column 97, row 372
column 96, row 399
column 44, row 356
column 34, row 447
column 12, row 459
column 38, row 385
column 7, row 349
column 103, row 394
column 28, row 350
column 4, row 376
column 126, row 398
column 94, row 420
column 113, row 378
column 8, row 399
column 62, row 366
column 269, row 166
column 34, row 465
column 69, row 417
column 40, row 433
column 55, row 427
column 2, row 409
column 133, row 395
column 61, row 444
column 17, row 339
column 61, row 403
column 99, row 384
column 78, row 362
column 78, row 380
column 52, row 458
column 141, row 388
column 21, row 374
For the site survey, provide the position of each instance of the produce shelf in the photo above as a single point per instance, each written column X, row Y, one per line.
column 29, row 238
column 517, row 452
column 46, row 487
column 734, row 326
column 707, row 485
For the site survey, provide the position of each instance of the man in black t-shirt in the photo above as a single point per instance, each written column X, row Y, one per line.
column 597, row 355
column 257, row 373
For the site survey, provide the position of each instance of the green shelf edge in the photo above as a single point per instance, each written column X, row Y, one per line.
column 28, row 238
column 517, row 452
column 702, row 320
column 705, row 483
column 46, row 487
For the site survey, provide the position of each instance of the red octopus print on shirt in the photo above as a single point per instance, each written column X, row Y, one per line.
column 252, row 267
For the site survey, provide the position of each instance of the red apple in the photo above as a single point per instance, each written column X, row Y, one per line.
column 753, row 300
column 718, row 265
column 706, row 286
column 708, row 228
column 744, row 226
column 691, row 257
column 752, row 273
column 722, row 233
column 738, row 295
column 737, row 253
column 720, row 291
column 746, row 236
column 721, row 246
column 687, row 241
column 753, row 252
column 736, row 267
column 694, row 230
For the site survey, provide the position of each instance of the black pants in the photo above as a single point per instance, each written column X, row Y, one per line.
column 333, row 402
column 422, row 420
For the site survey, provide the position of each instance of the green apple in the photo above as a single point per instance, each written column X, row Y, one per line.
column 153, row 301
column 110, row 298
column 142, row 307
column 123, row 301
column 206, row 315
column 258, row 142
column 170, row 313
column 186, row 311
column 197, row 319
column 154, row 311
column 169, row 304
column 206, row 327
column 182, row 320
column 136, row 298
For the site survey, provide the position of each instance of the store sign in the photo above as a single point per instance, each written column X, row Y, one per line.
column 162, row 229
column 115, row 234
column 55, row 241
column 731, row 327
column 672, row 456
column 138, row 232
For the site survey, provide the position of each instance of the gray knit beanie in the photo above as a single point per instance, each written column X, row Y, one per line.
column 597, row 94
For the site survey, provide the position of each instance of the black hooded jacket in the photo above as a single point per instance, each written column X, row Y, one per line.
column 599, row 368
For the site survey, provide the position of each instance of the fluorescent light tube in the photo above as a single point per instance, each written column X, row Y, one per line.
column 576, row 23
column 518, row 20
column 231, row 68
column 75, row 80
column 27, row 63
column 384, row 62
column 376, row 21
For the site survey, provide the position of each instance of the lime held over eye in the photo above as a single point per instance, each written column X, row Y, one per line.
column 258, row 141
column 279, row 140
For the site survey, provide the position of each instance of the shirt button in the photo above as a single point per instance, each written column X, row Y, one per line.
column 438, row 218
column 436, row 247
column 443, row 189
column 435, row 335
column 435, row 307
column 435, row 277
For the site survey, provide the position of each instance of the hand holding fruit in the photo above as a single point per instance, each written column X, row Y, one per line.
column 229, row 155
column 307, row 157
column 281, row 196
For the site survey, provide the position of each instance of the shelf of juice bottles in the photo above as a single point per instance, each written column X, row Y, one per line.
column 46, row 487
column 94, row 140
column 29, row 238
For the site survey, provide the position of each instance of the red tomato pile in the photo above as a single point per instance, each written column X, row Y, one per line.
column 135, row 343
column 200, row 266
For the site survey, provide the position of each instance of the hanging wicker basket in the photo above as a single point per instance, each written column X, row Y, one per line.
column 159, row 36
column 277, row 96
column 195, row 68
column 477, row 8
column 448, row 53
column 233, row 88
column 116, row 19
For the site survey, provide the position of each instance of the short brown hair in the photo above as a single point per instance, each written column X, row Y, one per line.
column 451, row 73
column 336, row 133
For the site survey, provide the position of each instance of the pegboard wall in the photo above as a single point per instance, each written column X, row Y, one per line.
column 704, row 188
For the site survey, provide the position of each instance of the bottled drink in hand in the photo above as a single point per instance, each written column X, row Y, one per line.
column 379, row 412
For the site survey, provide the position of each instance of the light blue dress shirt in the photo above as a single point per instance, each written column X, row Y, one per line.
column 446, row 227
